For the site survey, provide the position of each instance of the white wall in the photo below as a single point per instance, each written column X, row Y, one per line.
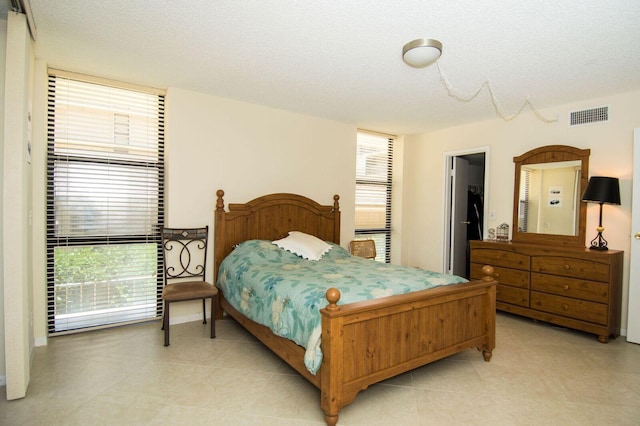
column 3, row 43
column 611, row 155
column 248, row 151
column 17, row 207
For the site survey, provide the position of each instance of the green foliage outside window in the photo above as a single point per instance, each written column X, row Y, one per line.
column 84, row 274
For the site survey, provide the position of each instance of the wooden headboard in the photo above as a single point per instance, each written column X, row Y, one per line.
column 271, row 217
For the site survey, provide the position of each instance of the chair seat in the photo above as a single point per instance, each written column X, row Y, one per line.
column 188, row 290
column 363, row 248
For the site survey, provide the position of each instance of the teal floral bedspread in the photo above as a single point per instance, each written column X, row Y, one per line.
column 284, row 292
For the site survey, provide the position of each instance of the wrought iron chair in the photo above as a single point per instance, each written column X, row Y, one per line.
column 185, row 259
column 363, row 248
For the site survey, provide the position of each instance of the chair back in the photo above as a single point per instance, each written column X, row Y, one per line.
column 363, row 248
column 184, row 254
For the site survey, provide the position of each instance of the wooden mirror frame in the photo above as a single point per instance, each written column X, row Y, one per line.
column 552, row 154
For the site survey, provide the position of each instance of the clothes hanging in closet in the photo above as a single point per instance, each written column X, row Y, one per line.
column 475, row 211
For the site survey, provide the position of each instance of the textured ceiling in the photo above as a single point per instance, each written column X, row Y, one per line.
column 342, row 59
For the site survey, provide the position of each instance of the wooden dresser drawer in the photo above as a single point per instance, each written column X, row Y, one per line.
column 512, row 277
column 512, row 295
column 496, row 257
column 572, row 308
column 571, row 267
column 570, row 287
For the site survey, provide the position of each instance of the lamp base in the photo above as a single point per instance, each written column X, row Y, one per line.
column 599, row 243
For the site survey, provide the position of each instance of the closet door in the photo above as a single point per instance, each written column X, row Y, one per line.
column 459, row 216
column 633, row 318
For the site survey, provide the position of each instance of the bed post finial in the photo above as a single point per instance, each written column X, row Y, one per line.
column 487, row 273
column 336, row 204
column 220, row 201
column 333, row 295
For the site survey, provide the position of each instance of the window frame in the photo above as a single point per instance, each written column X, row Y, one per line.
column 56, row 240
column 387, row 185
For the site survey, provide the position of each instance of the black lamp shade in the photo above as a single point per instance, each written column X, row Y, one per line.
column 602, row 190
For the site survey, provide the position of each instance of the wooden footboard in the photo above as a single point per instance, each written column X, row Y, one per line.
column 364, row 343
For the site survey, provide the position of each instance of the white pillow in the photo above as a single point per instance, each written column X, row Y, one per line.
column 304, row 245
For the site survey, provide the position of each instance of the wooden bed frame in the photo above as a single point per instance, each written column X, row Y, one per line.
column 366, row 342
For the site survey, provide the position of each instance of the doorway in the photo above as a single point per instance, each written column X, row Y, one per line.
column 465, row 194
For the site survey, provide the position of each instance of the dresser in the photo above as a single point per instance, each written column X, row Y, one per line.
column 572, row 287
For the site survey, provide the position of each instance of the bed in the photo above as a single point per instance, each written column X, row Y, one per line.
column 363, row 342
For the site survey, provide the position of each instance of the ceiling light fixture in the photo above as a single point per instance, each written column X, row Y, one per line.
column 421, row 53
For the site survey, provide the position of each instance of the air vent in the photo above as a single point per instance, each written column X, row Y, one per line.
column 588, row 116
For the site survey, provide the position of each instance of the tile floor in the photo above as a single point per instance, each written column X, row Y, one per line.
column 539, row 375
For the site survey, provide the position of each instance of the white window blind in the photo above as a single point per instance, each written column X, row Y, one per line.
column 105, row 202
column 374, row 159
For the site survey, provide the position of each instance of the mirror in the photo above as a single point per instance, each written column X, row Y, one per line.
column 549, row 182
column 549, row 198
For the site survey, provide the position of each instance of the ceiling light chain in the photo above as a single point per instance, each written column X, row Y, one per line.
column 496, row 104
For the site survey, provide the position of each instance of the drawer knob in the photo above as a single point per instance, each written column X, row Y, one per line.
column 566, row 287
column 566, row 267
column 565, row 307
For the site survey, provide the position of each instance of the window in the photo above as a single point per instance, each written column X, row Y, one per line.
column 374, row 159
column 105, row 202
